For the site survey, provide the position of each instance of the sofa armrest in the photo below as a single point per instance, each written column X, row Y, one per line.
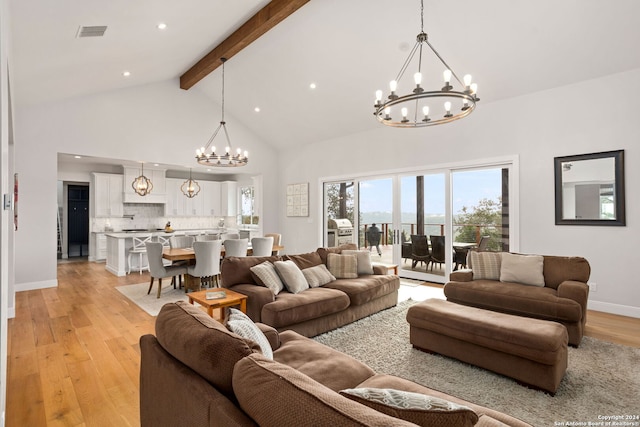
column 380, row 269
column 576, row 291
column 272, row 335
column 461, row 276
column 257, row 297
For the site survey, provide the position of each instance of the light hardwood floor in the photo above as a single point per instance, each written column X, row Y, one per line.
column 74, row 357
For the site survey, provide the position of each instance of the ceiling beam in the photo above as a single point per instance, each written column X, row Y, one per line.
column 267, row 18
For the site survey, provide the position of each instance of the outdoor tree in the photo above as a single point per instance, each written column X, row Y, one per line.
column 340, row 200
column 488, row 215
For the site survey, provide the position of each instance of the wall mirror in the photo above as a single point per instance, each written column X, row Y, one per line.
column 590, row 189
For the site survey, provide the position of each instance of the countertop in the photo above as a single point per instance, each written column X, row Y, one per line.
column 180, row 232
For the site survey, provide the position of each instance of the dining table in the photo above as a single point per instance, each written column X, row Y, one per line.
column 181, row 254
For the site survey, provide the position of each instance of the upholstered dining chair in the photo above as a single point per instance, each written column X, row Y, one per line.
column 225, row 236
column 139, row 249
column 437, row 250
column 419, row 250
column 262, row 246
column 157, row 269
column 207, row 266
column 236, row 247
column 207, row 237
column 277, row 238
column 181, row 241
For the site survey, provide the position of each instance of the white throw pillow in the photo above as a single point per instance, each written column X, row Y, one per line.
column 524, row 269
column 485, row 265
column 343, row 266
column 363, row 259
column 292, row 276
column 317, row 276
column 266, row 274
column 241, row 324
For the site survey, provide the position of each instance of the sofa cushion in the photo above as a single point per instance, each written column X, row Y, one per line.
column 364, row 260
column 201, row 343
column 268, row 391
column 291, row 276
column 485, row 265
column 240, row 324
column 318, row 275
column 329, row 367
column 366, row 288
column 525, row 269
column 558, row 269
column 343, row 266
column 289, row 309
column 307, row 260
column 530, row 301
column 265, row 274
column 323, row 252
column 418, row 408
column 236, row 270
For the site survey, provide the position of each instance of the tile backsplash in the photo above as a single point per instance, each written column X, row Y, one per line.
column 149, row 216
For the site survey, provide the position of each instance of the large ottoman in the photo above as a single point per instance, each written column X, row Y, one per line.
column 532, row 351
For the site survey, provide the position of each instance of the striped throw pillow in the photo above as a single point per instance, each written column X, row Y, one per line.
column 343, row 266
column 265, row 274
column 318, row 276
column 485, row 265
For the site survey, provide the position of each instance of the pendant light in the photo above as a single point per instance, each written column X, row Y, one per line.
column 190, row 188
column 142, row 185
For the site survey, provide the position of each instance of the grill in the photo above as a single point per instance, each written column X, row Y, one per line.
column 339, row 232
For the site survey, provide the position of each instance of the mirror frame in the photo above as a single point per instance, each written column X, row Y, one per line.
column 618, row 157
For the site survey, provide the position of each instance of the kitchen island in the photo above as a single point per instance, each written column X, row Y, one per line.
column 119, row 243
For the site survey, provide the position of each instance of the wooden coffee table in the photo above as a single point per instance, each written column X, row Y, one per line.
column 232, row 298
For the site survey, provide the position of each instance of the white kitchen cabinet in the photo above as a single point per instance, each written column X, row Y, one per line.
column 158, row 193
column 101, row 247
column 172, row 199
column 107, row 195
column 228, row 198
column 211, row 198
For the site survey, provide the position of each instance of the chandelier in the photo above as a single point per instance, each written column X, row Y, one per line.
column 421, row 107
column 227, row 159
column 142, row 185
column 190, row 188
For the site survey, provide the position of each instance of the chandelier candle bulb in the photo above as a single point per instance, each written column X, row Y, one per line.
column 447, row 107
column 404, row 115
column 387, row 112
column 467, row 81
column 425, row 111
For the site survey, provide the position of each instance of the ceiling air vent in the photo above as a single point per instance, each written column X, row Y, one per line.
column 91, row 31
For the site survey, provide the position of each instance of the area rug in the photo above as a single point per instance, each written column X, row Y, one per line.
column 602, row 379
column 149, row 303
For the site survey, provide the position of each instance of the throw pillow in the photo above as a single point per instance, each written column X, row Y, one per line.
column 485, row 265
column 343, row 266
column 414, row 407
column 318, row 275
column 364, row 260
column 265, row 274
column 524, row 269
column 292, row 276
column 240, row 324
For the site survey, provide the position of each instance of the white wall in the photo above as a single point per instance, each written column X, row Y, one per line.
column 156, row 123
column 582, row 118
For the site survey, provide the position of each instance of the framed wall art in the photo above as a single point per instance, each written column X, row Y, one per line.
column 298, row 199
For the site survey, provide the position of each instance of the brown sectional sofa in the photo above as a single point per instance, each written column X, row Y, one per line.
column 563, row 298
column 314, row 310
column 194, row 372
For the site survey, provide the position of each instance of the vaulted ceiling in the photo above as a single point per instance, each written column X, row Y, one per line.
column 347, row 48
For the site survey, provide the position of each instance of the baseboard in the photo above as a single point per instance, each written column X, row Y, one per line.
column 30, row 286
column 619, row 309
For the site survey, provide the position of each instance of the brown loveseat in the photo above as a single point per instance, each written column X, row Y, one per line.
column 195, row 372
column 563, row 298
column 315, row 310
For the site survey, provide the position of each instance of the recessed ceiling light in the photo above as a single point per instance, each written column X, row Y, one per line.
column 126, row 73
column 77, row 157
column 312, row 86
column 162, row 26
column 257, row 109
column 156, row 164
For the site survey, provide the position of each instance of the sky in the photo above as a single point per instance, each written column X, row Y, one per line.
column 468, row 188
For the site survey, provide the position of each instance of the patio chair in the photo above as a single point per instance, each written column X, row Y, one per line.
column 437, row 250
column 419, row 250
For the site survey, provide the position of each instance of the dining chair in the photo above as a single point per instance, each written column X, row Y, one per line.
column 437, row 250
column 460, row 257
column 236, row 247
column 419, row 250
column 157, row 269
column 181, row 242
column 225, row 236
column 207, row 266
column 207, row 237
column 277, row 238
column 262, row 246
column 140, row 250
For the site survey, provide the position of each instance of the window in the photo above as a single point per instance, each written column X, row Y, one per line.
column 247, row 206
